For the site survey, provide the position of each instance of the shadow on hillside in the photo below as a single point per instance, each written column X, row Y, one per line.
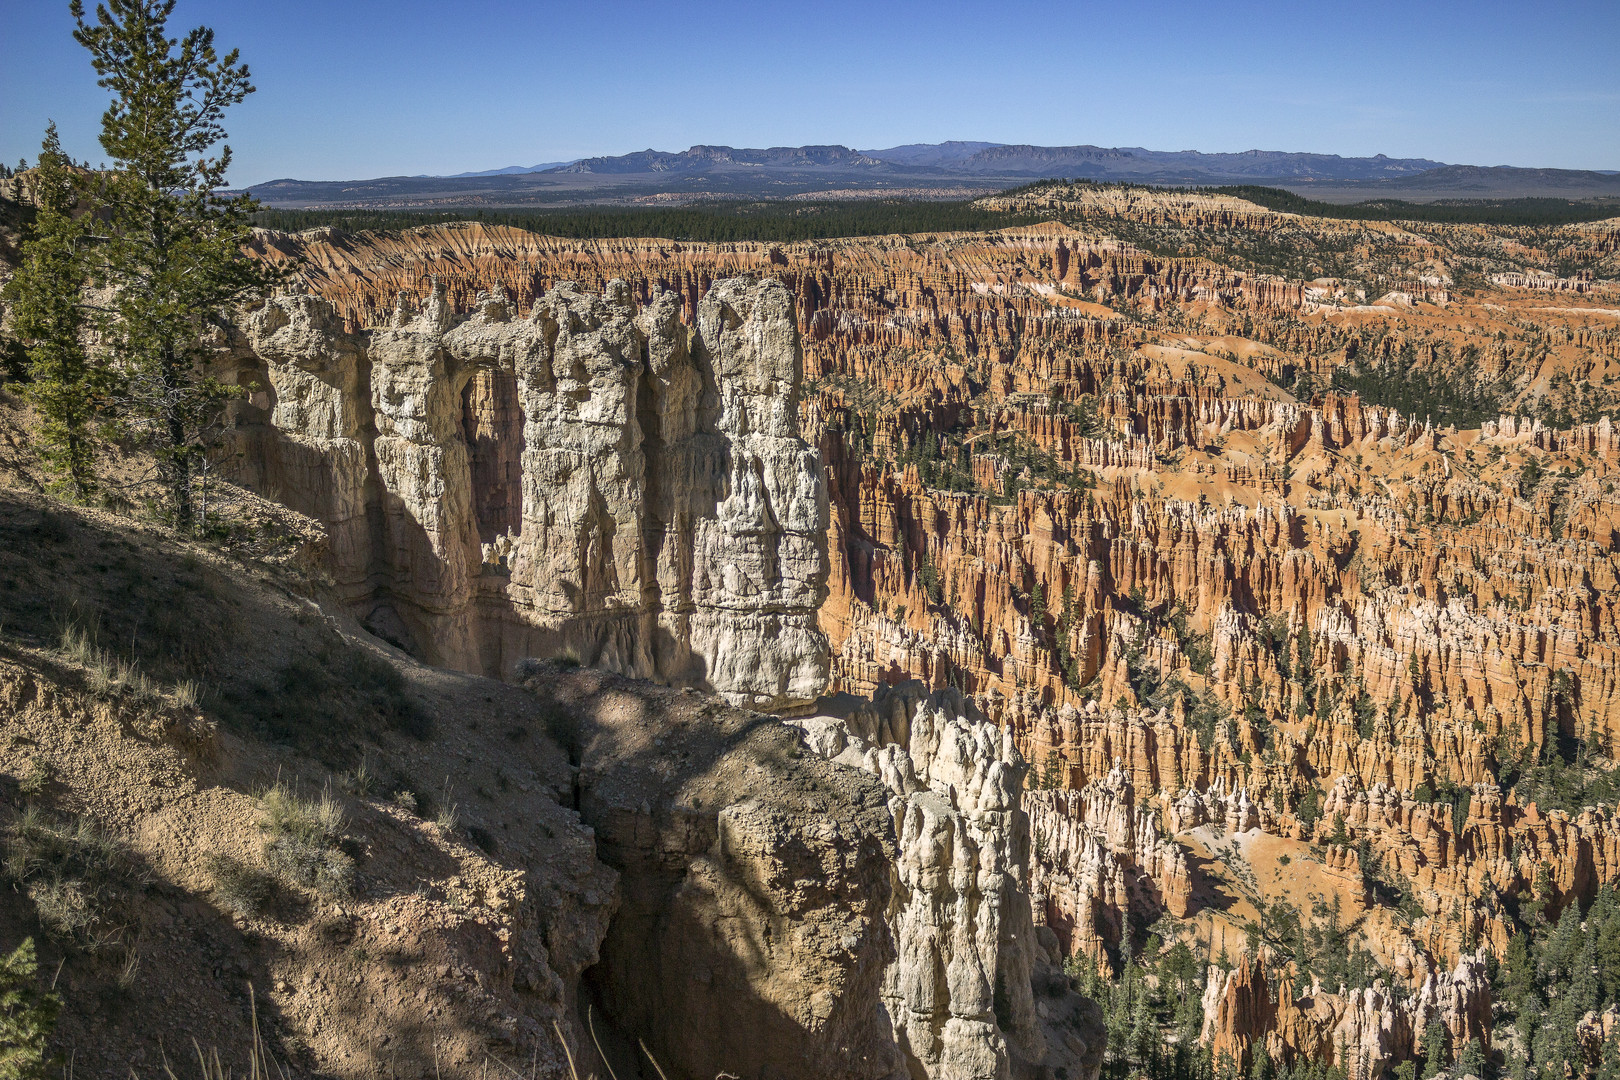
column 266, row 662
column 278, row 674
column 1209, row 891
column 153, row 973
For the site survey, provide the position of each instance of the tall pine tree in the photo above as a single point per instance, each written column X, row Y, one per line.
column 67, row 387
column 173, row 248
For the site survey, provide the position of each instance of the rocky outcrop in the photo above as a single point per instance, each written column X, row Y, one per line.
column 593, row 479
column 754, row 881
column 975, row 990
column 1362, row 1032
column 1098, row 856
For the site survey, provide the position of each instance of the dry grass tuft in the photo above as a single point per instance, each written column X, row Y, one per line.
column 110, row 676
column 76, row 874
column 303, row 841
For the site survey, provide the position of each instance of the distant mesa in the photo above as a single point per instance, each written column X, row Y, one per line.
column 945, row 153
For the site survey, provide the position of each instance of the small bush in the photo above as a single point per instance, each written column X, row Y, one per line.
column 240, row 889
column 75, row 873
column 36, row 778
column 303, row 841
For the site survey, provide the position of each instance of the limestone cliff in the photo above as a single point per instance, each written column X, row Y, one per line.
column 593, row 479
column 1264, row 639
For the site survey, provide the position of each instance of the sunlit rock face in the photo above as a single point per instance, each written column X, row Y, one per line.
column 976, row 991
column 599, row 479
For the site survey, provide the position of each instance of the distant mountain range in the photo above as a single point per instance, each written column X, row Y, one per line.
column 922, row 170
column 510, row 170
column 707, row 158
column 1135, row 162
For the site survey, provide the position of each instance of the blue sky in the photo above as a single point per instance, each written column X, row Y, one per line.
column 353, row 88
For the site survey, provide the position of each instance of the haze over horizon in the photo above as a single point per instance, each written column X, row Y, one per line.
column 366, row 89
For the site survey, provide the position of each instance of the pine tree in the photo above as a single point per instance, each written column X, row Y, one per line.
column 173, row 249
column 67, row 388
column 1609, row 1064
column 27, row 1016
column 1471, row 1059
column 1434, row 1048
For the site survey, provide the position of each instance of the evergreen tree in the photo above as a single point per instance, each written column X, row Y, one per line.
column 1434, row 1048
column 1609, row 1063
column 27, row 1016
column 1471, row 1059
column 173, row 249
column 67, row 388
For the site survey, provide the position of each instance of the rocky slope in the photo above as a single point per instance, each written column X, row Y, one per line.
column 242, row 821
column 162, row 700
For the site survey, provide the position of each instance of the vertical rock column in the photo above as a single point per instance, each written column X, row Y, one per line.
column 312, row 454
column 760, row 561
column 578, row 562
column 427, row 544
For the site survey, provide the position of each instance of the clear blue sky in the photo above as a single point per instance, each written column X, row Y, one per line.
column 355, row 88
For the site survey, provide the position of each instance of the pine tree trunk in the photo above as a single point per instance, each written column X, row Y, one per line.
column 177, row 468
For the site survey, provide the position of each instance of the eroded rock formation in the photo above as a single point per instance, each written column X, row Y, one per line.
column 1363, row 1032
column 593, row 479
column 1238, row 623
column 976, row 991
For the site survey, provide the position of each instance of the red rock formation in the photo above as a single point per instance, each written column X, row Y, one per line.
column 1364, row 1032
